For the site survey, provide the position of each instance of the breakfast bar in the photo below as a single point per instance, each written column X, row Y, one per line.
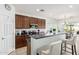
column 40, row 41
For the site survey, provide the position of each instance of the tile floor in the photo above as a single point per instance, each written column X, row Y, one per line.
column 23, row 51
column 19, row 51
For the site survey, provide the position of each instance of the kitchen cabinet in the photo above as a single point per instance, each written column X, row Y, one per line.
column 41, row 23
column 33, row 20
column 27, row 25
column 24, row 22
column 19, row 21
column 21, row 41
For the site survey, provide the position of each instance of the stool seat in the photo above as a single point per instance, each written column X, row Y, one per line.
column 68, row 41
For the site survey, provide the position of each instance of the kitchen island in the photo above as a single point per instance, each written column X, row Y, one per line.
column 39, row 41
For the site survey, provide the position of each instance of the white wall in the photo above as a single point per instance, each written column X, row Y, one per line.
column 59, row 23
column 50, row 23
column 25, row 14
column 53, row 23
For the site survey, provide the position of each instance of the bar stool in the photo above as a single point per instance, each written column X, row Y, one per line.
column 72, row 43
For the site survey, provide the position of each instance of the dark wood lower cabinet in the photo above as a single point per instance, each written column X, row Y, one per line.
column 21, row 41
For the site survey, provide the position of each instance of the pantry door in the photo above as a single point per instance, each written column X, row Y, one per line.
column 5, row 33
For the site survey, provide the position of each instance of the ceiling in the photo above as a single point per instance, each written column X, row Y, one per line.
column 51, row 11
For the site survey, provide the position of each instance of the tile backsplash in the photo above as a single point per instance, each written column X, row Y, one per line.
column 27, row 30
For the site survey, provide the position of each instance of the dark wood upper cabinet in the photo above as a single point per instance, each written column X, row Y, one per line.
column 19, row 21
column 24, row 22
column 43, row 24
column 39, row 23
column 33, row 20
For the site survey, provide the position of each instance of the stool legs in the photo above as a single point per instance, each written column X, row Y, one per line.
column 72, row 50
column 75, row 49
column 65, row 46
column 61, row 48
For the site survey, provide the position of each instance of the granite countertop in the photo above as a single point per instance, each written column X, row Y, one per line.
column 39, row 36
column 44, row 36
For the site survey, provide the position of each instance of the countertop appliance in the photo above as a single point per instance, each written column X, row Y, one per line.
column 23, row 33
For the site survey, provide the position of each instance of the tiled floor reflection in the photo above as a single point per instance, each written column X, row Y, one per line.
column 23, row 51
column 19, row 51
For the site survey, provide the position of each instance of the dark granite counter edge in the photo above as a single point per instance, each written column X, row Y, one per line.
column 47, row 36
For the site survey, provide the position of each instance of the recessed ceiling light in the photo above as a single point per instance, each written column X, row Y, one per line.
column 40, row 10
column 70, row 6
column 37, row 10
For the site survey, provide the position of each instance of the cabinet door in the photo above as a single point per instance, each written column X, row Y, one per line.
column 39, row 23
column 20, row 21
column 33, row 20
column 17, row 22
column 27, row 25
column 43, row 24
column 20, row 41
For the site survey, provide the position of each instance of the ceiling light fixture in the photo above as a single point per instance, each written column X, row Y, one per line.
column 37, row 10
column 40, row 10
